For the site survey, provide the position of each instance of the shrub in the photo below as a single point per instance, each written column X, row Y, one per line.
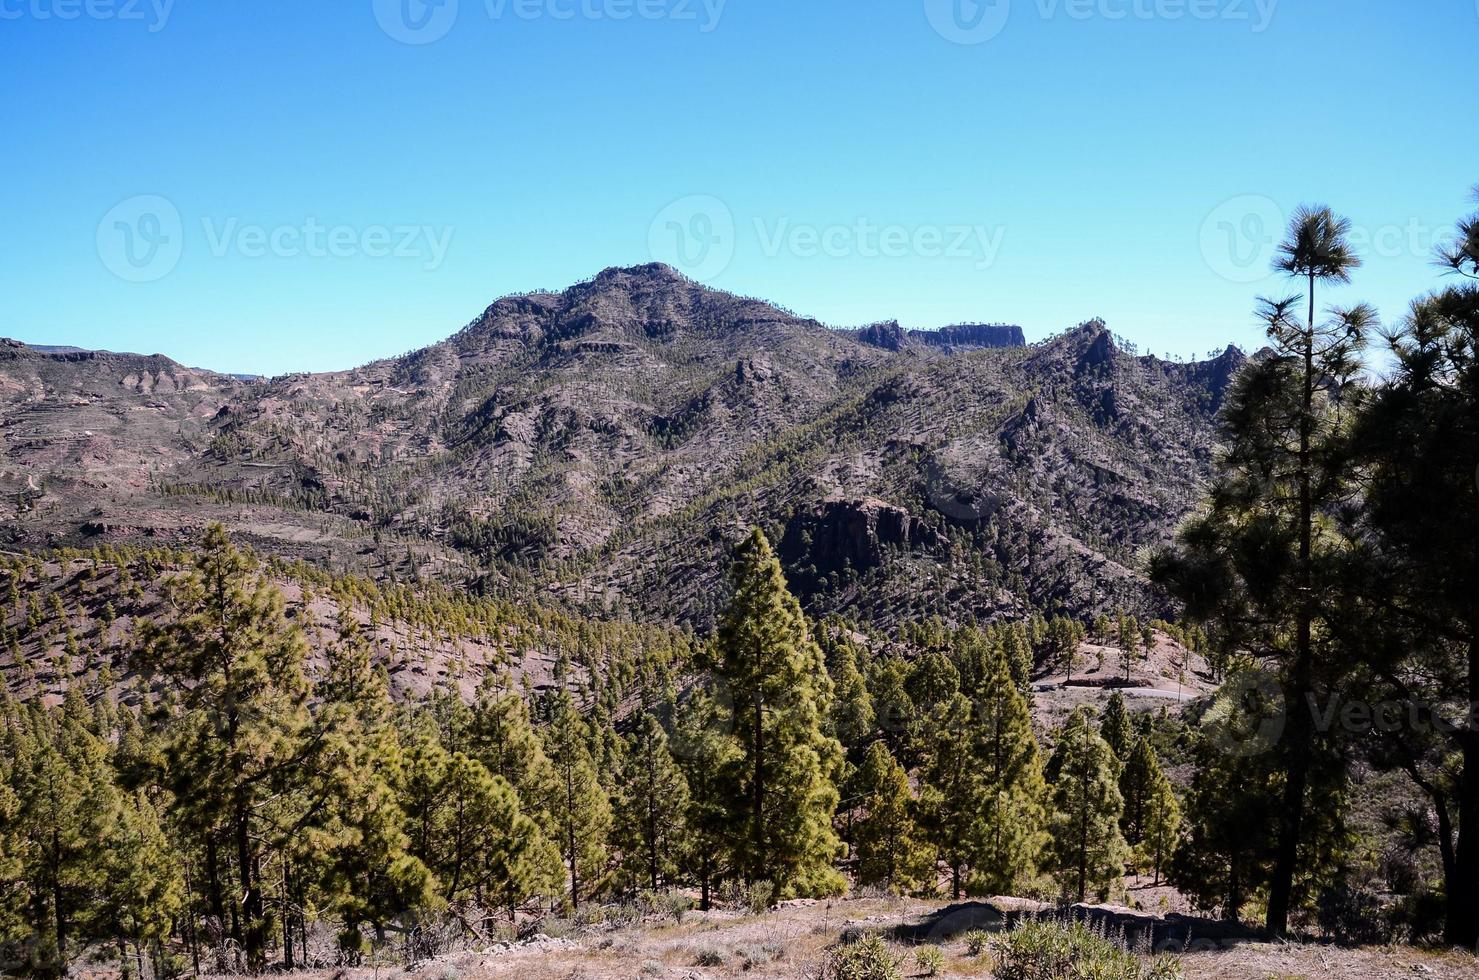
column 976, row 942
column 709, row 956
column 672, row 905
column 866, row 959
column 759, row 896
column 752, row 955
column 1051, row 950
column 929, row 959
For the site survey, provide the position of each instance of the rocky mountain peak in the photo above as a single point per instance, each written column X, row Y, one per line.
column 886, row 334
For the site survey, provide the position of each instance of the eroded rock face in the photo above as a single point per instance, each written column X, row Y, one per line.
column 972, row 336
column 887, row 335
column 847, row 534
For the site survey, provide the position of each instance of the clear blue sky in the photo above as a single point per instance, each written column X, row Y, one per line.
column 1080, row 156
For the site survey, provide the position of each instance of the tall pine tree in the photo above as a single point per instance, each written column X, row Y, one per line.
column 779, row 694
column 651, row 808
column 1088, row 851
column 582, row 815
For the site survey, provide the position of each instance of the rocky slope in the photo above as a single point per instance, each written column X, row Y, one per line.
column 603, row 447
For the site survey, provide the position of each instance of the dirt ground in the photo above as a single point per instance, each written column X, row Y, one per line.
column 792, row 942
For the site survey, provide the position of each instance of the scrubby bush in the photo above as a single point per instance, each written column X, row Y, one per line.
column 752, row 955
column 866, row 959
column 976, row 942
column 929, row 960
column 1052, row 951
column 759, row 896
column 709, row 956
column 672, row 905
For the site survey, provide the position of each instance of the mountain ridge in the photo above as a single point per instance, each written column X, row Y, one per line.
column 603, row 446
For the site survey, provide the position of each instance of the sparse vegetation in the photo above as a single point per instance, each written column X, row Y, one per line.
column 867, row 959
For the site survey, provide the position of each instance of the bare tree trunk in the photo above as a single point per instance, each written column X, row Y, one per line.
column 757, row 830
column 1296, row 778
column 1462, row 928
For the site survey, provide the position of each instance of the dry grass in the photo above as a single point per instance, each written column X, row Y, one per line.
column 792, row 943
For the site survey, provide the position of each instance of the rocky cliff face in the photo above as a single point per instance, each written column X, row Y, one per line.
column 605, row 446
column 972, row 336
column 835, row 536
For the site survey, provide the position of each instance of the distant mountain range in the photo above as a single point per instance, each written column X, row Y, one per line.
column 603, row 447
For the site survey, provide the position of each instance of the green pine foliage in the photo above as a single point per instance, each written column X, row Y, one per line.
column 582, row 810
column 778, row 695
column 707, row 755
column 952, row 794
column 1088, row 852
column 651, row 830
column 891, row 851
column 1114, row 728
column 1009, row 838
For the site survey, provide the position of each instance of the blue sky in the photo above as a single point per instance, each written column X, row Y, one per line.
column 275, row 186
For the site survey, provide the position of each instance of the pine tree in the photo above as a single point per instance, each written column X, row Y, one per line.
column 1423, row 568
column 932, row 681
column 1129, row 640
column 1137, row 779
column 652, row 805
column 1011, row 839
column 1265, row 556
column 143, row 889
column 68, row 809
column 1018, row 651
column 1226, row 854
column 952, row 790
column 780, row 693
column 364, row 871
column 896, row 714
column 582, row 817
column 1115, row 727
column 1162, row 825
column 706, row 754
column 853, row 719
column 1231, row 812
column 15, row 894
column 502, row 737
column 1087, row 849
column 489, row 850
column 238, row 757
column 891, row 851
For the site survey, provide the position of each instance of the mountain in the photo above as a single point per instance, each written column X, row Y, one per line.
column 603, row 447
